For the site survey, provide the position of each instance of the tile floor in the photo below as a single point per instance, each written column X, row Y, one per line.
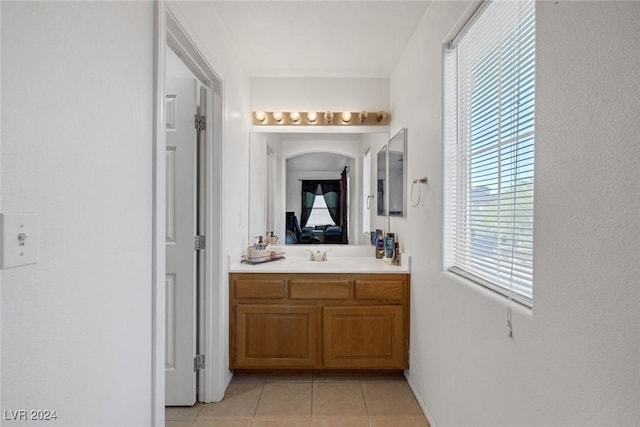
column 307, row 401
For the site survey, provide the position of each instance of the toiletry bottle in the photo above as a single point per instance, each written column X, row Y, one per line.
column 397, row 260
column 374, row 241
column 380, row 245
column 389, row 247
column 260, row 243
column 271, row 240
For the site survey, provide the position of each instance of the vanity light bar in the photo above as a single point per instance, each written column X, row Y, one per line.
column 324, row 118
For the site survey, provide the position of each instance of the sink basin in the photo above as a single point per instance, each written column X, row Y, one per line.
column 337, row 264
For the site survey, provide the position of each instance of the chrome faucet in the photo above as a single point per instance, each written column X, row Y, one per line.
column 317, row 256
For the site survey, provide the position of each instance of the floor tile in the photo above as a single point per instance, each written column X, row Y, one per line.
column 289, row 378
column 326, row 378
column 399, row 422
column 285, row 400
column 338, row 399
column 248, row 378
column 240, row 400
column 224, row 422
column 304, row 400
column 382, row 377
column 339, row 422
column 182, row 413
column 178, row 423
column 281, row 422
column 392, row 398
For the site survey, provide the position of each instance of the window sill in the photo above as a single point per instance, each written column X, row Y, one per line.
column 495, row 296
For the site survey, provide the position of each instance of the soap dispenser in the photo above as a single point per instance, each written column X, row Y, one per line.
column 271, row 239
column 260, row 243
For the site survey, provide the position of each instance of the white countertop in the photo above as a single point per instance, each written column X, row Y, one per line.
column 334, row 264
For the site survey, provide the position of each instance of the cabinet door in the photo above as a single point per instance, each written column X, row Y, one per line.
column 366, row 337
column 276, row 336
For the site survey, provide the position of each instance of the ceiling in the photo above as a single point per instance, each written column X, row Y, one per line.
column 320, row 38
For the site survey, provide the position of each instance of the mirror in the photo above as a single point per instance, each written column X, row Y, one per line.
column 392, row 176
column 280, row 162
column 397, row 175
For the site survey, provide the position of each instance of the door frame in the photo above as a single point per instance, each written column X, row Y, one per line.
column 169, row 32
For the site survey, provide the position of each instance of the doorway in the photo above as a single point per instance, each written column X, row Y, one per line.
column 185, row 138
column 208, row 381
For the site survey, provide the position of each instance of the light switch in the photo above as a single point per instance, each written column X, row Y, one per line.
column 19, row 234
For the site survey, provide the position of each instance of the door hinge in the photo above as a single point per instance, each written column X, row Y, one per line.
column 198, row 242
column 200, row 122
column 198, row 362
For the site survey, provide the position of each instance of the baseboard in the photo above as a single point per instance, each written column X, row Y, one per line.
column 423, row 405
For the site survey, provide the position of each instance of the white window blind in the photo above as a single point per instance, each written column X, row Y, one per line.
column 489, row 147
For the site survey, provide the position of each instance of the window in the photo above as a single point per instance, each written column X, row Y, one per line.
column 489, row 146
column 321, row 204
column 319, row 213
column 366, row 191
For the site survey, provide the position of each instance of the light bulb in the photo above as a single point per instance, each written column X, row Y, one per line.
column 363, row 116
column 277, row 116
column 312, row 116
column 328, row 116
column 346, row 116
column 260, row 116
column 295, row 116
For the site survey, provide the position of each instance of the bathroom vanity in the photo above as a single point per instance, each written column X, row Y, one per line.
column 297, row 314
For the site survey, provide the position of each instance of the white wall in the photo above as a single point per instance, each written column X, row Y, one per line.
column 77, row 96
column 321, row 94
column 77, row 110
column 1, row 133
column 203, row 24
column 257, row 185
column 573, row 360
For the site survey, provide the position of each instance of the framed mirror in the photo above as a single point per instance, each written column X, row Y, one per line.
column 397, row 174
column 280, row 161
column 381, row 181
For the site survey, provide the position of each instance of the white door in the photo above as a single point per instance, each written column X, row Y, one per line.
column 181, row 262
column 201, row 227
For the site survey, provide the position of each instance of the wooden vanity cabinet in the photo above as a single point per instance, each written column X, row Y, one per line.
column 334, row 321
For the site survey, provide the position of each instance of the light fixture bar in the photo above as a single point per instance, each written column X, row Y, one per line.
column 319, row 118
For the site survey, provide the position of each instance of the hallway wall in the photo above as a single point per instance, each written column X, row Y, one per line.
column 77, row 115
column 77, row 82
column 573, row 360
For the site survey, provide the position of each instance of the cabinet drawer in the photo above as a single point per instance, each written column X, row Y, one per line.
column 388, row 290
column 259, row 289
column 319, row 289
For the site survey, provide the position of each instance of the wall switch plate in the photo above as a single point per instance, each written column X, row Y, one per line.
column 19, row 239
